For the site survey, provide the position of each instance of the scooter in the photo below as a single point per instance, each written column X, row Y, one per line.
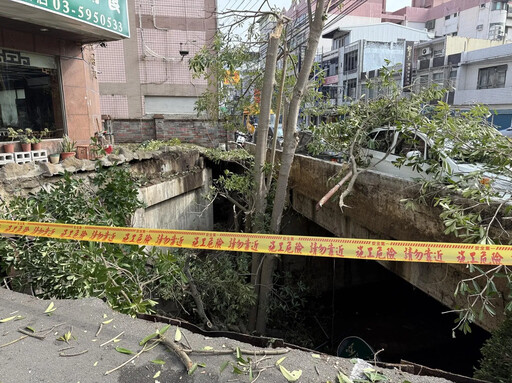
column 240, row 139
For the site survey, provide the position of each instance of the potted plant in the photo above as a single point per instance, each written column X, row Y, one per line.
column 26, row 139
column 54, row 158
column 12, row 134
column 37, row 138
column 68, row 147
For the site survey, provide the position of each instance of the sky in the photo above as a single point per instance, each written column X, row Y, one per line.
column 392, row 5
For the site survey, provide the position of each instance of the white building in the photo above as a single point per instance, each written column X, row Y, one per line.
column 480, row 19
column 362, row 49
column 437, row 61
column 485, row 77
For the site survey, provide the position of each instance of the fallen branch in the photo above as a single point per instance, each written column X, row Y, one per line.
column 128, row 361
column 14, row 341
column 99, row 330
column 242, row 351
column 32, row 335
column 75, row 354
column 180, row 353
column 331, row 192
column 111, row 340
column 195, row 294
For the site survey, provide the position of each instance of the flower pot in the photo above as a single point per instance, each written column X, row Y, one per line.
column 9, row 148
column 25, row 147
column 65, row 155
column 36, row 146
column 54, row 158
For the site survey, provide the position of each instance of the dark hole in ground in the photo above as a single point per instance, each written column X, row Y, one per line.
column 362, row 298
column 370, row 302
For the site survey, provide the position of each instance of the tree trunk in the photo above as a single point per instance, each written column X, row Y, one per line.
column 261, row 189
column 290, row 144
column 263, row 125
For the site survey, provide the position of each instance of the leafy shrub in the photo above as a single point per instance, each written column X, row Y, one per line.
column 223, row 284
column 496, row 364
column 123, row 275
column 157, row 144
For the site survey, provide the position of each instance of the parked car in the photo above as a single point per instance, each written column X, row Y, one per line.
column 388, row 147
column 507, row 132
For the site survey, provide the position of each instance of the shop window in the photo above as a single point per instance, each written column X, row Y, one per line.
column 30, row 96
column 492, row 77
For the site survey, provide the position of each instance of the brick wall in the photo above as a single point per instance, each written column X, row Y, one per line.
column 200, row 132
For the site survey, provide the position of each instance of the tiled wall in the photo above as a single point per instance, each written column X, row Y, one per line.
column 113, row 57
column 149, row 63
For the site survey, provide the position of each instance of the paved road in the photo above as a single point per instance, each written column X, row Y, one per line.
column 37, row 360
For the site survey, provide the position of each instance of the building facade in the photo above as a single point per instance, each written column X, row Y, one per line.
column 147, row 89
column 47, row 66
column 485, row 77
column 480, row 19
column 359, row 52
column 438, row 61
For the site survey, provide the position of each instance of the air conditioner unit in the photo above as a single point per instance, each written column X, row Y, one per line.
column 425, row 51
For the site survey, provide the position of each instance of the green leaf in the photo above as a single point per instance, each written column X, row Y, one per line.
column 123, row 350
column 8, row 319
column 290, row 376
column 30, row 328
column 177, row 335
column 192, row 369
column 107, row 321
column 147, row 339
column 236, row 370
column 280, row 361
column 342, row 378
column 158, row 361
column 50, row 308
column 157, row 374
column 164, row 329
column 316, row 356
column 224, row 365
column 207, row 348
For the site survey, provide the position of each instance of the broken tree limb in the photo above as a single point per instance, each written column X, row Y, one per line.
column 195, row 294
column 180, row 353
column 14, row 341
column 32, row 335
column 331, row 192
column 75, row 354
column 242, row 351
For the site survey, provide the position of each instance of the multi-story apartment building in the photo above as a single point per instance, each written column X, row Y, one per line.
column 146, row 86
column 481, row 19
column 438, row 60
column 359, row 52
column 352, row 13
column 485, row 77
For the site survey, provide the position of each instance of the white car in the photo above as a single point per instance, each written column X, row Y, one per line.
column 388, row 145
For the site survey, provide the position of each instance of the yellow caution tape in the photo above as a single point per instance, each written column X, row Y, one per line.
column 408, row 251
